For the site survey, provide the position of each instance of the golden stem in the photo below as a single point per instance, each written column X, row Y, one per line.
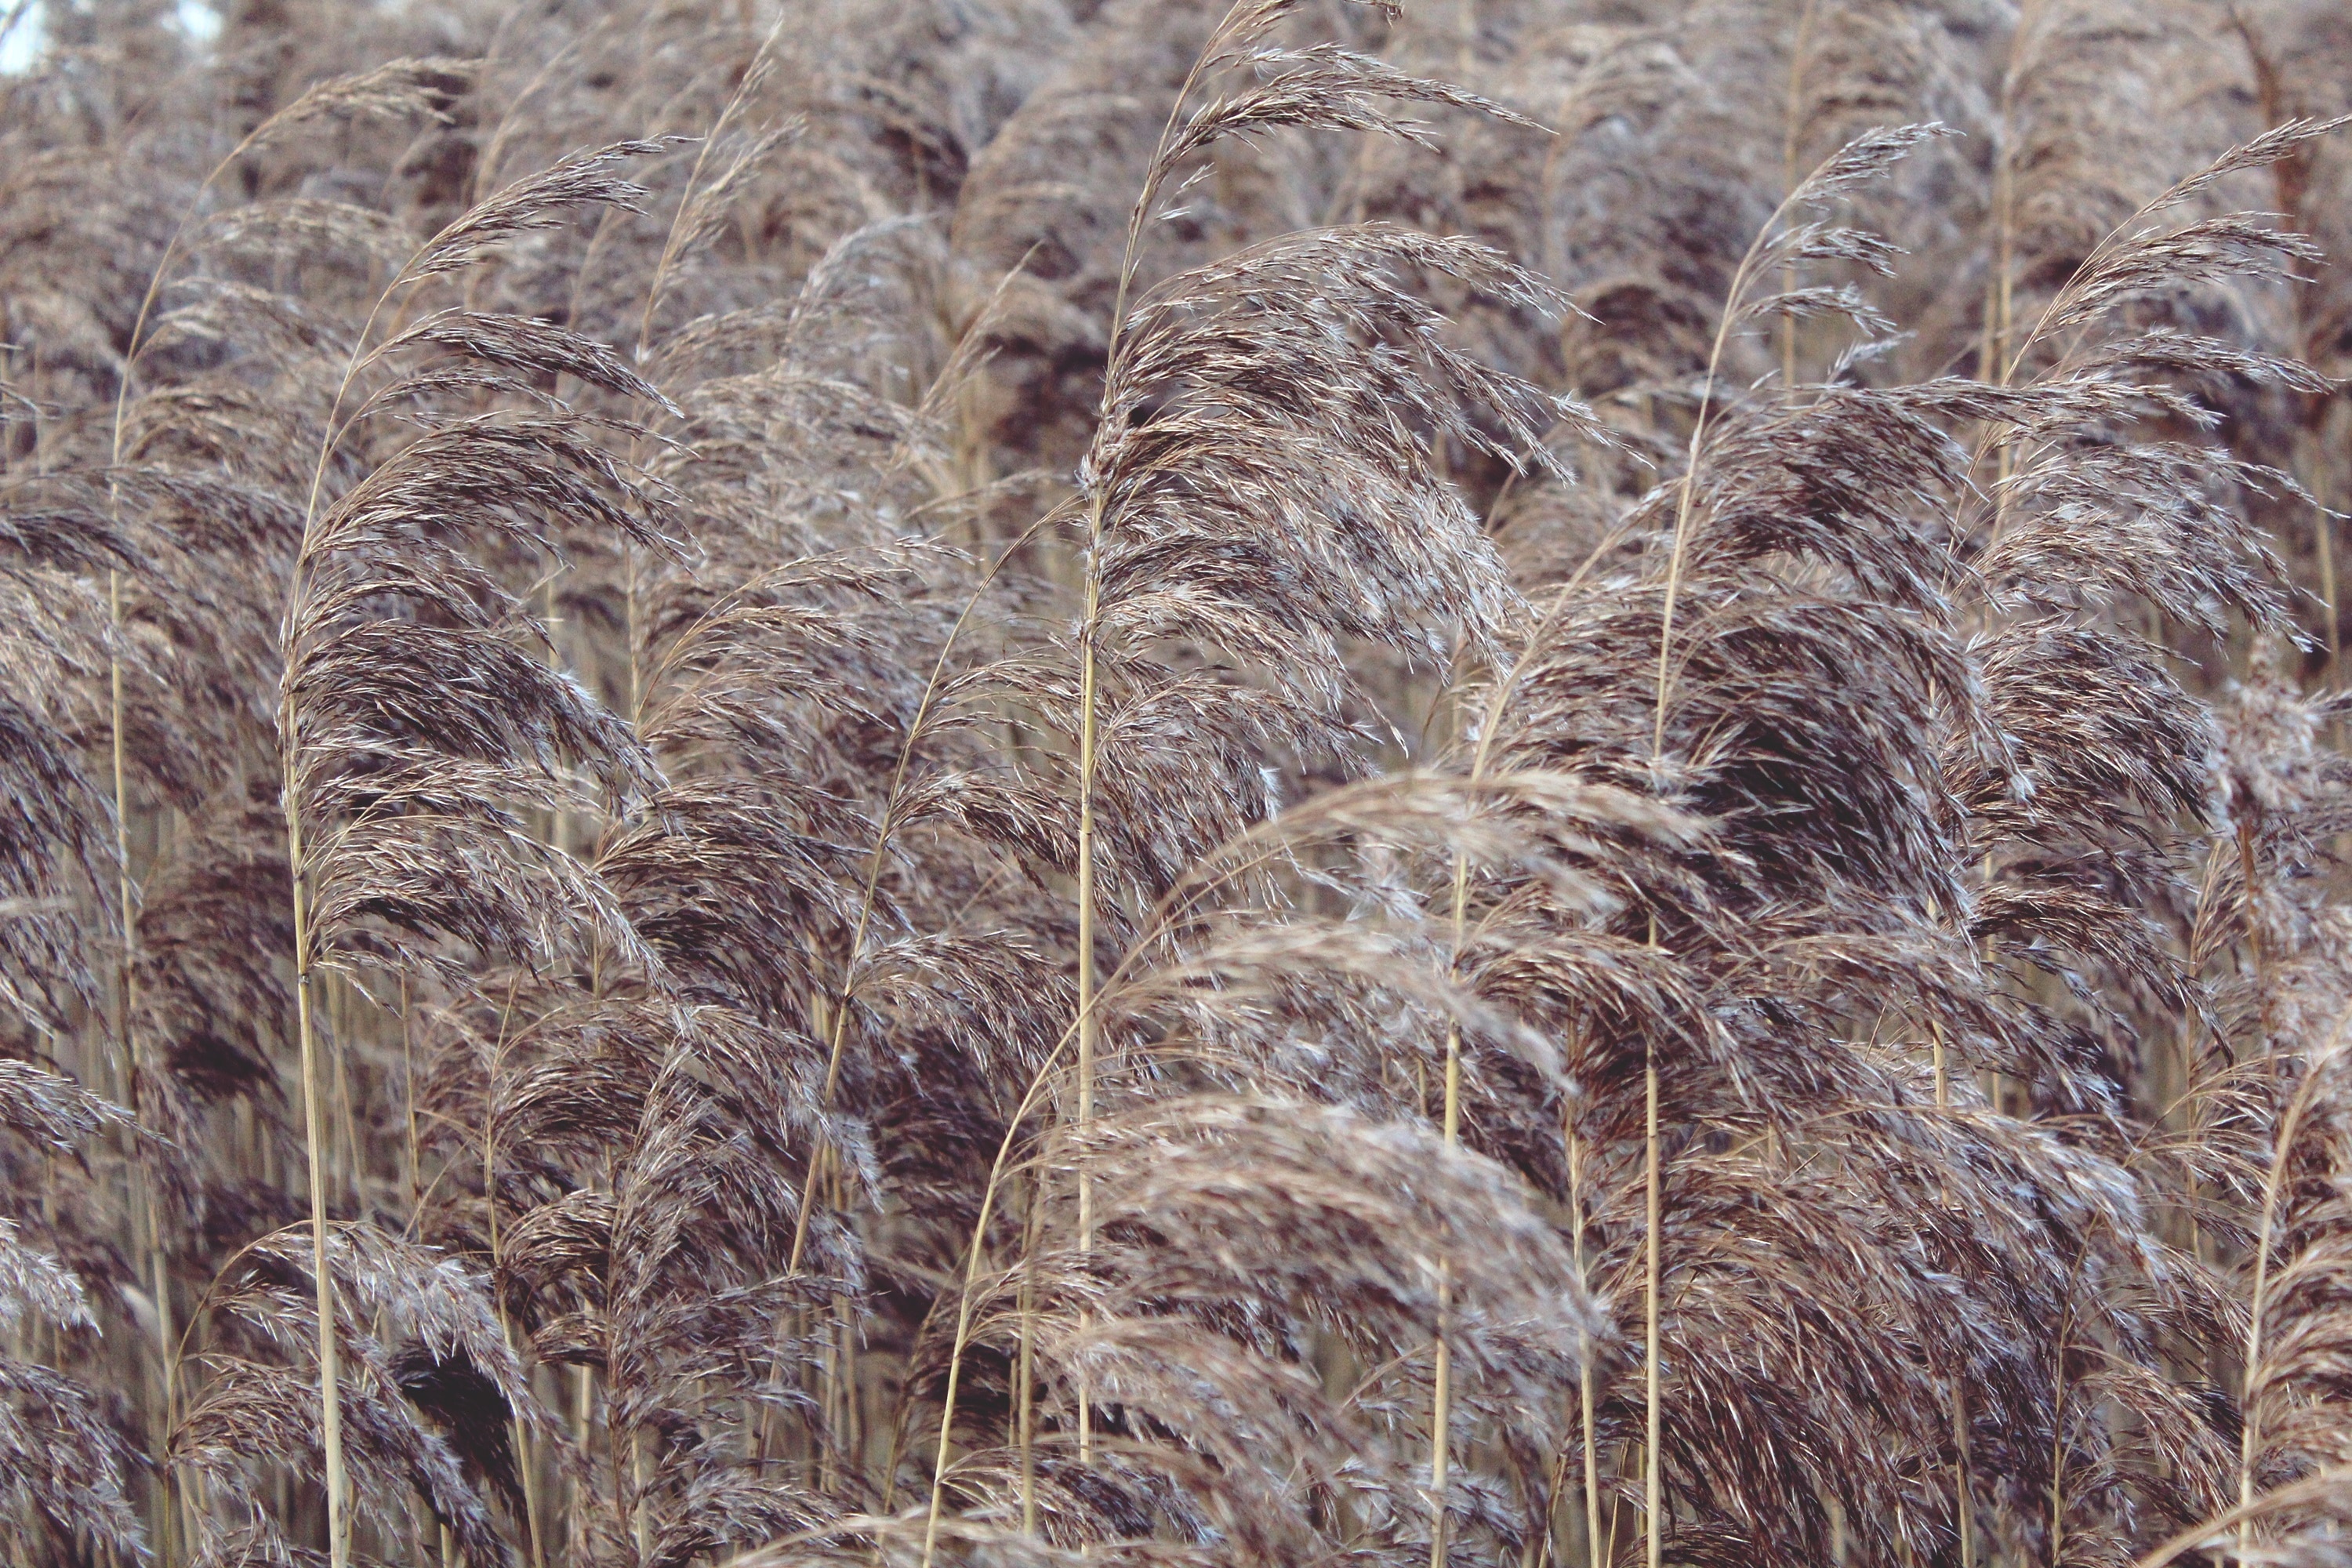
column 2250, row 1424
column 1442, row 1378
column 1790, row 124
column 1025, row 1416
column 1585, row 1372
column 1963, row 1503
column 520, row 1433
column 314, row 1137
column 1086, row 1067
column 1652, row 1491
column 2058, row 1448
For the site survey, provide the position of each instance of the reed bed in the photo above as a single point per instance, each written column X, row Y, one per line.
column 1174, row 783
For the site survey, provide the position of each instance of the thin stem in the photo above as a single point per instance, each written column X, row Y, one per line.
column 145, row 1215
column 314, row 1142
column 1585, row 1390
column 630, row 620
column 124, row 892
column 521, row 1435
column 2058, row 1439
column 1995, row 362
column 1791, row 123
column 1085, row 1020
column 408, row 1079
column 1439, row 1440
column 2248, row 874
column 1652, row 1490
column 1025, row 1403
column 1963, row 1501
column 996, row 1173
column 1440, row 1382
column 1686, row 491
column 2004, row 197
column 2281, row 1155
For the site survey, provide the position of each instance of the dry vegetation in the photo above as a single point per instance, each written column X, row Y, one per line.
column 1033, row 782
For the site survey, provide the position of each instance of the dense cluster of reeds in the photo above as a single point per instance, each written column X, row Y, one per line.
column 1158, row 782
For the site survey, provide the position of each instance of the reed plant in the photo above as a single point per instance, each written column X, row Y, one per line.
column 1220, row 783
